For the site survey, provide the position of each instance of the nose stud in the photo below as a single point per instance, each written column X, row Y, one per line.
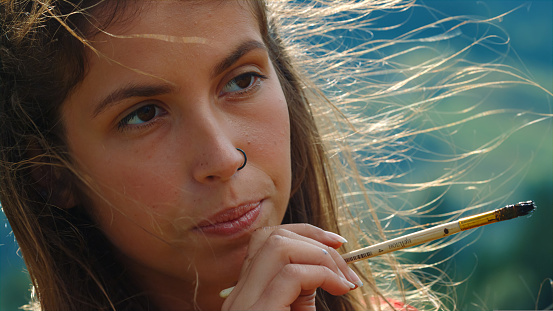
column 245, row 159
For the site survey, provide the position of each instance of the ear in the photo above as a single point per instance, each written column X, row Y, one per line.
column 53, row 187
column 51, row 180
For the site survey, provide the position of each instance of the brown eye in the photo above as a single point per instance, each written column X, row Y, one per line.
column 146, row 113
column 242, row 83
column 141, row 115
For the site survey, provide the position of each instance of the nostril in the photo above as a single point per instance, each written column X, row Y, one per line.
column 219, row 164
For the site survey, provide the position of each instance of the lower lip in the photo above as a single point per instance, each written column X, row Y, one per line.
column 231, row 227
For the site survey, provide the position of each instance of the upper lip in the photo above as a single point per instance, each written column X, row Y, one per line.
column 229, row 214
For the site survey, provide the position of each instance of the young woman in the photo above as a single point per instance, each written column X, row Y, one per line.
column 153, row 172
column 155, row 153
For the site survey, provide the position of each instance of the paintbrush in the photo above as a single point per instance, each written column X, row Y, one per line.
column 441, row 231
column 434, row 233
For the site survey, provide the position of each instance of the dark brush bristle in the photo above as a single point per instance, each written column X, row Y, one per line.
column 515, row 210
column 525, row 208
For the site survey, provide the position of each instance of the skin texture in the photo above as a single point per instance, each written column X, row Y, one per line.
column 154, row 128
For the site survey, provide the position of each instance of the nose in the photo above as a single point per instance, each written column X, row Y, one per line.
column 219, row 165
column 217, row 158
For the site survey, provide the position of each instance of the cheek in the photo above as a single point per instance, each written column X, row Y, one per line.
column 121, row 174
column 130, row 190
column 272, row 137
column 272, row 127
column 138, row 214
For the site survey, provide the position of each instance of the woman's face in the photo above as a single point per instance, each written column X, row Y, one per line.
column 154, row 127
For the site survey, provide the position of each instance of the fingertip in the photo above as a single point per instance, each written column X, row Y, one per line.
column 354, row 277
column 336, row 237
column 348, row 283
column 340, row 286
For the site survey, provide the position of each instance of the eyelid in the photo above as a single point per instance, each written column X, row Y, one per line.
column 125, row 115
column 256, row 74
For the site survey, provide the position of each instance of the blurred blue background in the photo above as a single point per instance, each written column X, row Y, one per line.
column 509, row 266
column 505, row 266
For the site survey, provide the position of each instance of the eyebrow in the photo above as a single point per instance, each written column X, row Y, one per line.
column 236, row 54
column 148, row 90
column 131, row 90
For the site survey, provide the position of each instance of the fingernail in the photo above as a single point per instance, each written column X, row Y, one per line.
column 353, row 276
column 226, row 292
column 336, row 237
column 348, row 283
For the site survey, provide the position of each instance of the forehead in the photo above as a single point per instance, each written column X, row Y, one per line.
column 173, row 17
column 167, row 40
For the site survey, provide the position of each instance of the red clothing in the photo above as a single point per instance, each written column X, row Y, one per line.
column 398, row 305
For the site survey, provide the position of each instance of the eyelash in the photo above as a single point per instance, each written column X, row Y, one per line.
column 124, row 123
column 252, row 86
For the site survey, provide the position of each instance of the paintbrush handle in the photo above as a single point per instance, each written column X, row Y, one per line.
column 409, row 240
column 441, row 231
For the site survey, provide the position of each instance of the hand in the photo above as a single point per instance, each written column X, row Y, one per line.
column 285, row 265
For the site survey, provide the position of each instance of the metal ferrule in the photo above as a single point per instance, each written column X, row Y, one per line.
column 478, row 220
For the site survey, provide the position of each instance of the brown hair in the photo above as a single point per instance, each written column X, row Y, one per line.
column 69, row 260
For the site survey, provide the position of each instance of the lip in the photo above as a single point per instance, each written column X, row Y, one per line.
column 231, row 221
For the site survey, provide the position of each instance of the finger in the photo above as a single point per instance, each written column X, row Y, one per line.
column 308, row 232
column 280, row 241
column 302, row 232
column 326, row 237
column 280, row 250
column 295, row 285
column 305, row 303
column 341, row 266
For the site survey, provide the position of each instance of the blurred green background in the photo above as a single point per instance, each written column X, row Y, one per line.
column 508, row 266
column 505, row 266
